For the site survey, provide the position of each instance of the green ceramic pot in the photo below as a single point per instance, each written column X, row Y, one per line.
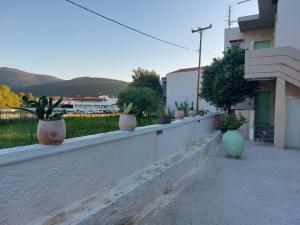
column 233, row 143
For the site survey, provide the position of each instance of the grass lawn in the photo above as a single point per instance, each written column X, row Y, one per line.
column 23, row 132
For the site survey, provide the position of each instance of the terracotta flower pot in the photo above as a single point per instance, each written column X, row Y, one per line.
column 179, row 114
column 127, row 122
column 192, row 113
column 51, row 132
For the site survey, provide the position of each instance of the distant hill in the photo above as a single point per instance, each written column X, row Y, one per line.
column 16, row 79
column 83, row 86
column 53, row 86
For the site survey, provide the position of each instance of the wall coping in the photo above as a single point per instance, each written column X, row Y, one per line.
column 29, row 152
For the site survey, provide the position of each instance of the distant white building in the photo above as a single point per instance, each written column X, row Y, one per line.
column 90, row 104
column 181, row 85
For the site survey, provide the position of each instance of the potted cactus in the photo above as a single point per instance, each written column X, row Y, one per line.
column 192, row 111
column 163, row 117
column 127, row 121
column 51, row 126
column 182, row 110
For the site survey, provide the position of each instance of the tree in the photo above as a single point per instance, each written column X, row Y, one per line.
column 144, row 100
column 146, row 78
column 7, row 97
column 223, row 82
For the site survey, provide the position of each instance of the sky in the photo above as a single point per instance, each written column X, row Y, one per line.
column 56, row 38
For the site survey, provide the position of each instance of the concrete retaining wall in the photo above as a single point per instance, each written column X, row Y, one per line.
column 38, row 181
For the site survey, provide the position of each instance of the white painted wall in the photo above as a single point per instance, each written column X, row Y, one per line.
column 38, row 181
column 287, row 25
column 182, row 86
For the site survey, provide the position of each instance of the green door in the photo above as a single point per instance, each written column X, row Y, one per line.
column 262, row 104
column 262, row 44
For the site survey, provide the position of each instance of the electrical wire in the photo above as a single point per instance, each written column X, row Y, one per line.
column 129, row 27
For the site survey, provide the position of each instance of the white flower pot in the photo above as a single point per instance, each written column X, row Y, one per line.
column 127, row 122
column 51, row 132
column 192, row 113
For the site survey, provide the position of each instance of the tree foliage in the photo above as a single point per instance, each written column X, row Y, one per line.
column 144, row 100
column 8, row 97
column 223, row 82
column 146, row 78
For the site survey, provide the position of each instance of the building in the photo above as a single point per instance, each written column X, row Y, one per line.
column 272, row 43
column 90, row 104
column 181, row 85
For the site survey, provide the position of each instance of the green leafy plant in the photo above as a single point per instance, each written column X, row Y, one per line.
column 184, row 106
column 127, row 109
column 145, row 101
column 231, row 122
column 42, row 108
column 223, row 82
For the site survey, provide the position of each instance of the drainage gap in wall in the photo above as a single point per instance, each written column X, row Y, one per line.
column 158, row 132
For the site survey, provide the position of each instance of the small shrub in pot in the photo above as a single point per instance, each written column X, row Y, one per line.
column 233, row 141
column 51, row 128
column 192, row 111
column 163, row 117
column 127, row 121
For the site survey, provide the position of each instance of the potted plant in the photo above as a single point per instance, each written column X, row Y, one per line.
column 201, row 112
column 127, row 121
column 192, row 111
column 51, row 128
column 163, row 117
column 182, row 109
column 232, row 140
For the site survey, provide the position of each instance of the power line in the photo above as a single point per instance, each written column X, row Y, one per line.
column 129, row 27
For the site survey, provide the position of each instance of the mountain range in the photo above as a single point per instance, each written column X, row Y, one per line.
column 40, row 84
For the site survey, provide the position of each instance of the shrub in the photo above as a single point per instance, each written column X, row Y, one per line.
column 231, row 122
column 145, row 101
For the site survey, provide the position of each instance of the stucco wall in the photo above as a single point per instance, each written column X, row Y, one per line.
column 287, row 25
column 182, row 86
column 248, row 36
column 292, row 90
column 38, row 181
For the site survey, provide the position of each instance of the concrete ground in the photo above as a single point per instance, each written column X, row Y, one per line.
column 263, row 187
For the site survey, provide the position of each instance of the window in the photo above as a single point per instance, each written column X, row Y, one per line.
column 236, row 45
column 262, row 44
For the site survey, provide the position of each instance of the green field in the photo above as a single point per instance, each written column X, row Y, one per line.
column 23, row 132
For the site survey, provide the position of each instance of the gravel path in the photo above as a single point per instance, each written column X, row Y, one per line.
column 263, row 187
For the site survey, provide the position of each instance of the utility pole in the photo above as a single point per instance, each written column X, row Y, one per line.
column 200, row 31
column 229, row 17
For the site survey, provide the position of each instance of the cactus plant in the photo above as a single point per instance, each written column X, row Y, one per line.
column 184, row 106
column 192, row 106
column 43, row 107
column 127, row 108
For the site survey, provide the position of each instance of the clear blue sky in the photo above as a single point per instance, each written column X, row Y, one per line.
column 54, row 37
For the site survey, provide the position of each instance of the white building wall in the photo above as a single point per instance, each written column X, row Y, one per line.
column 287, row 25
column 182, row 86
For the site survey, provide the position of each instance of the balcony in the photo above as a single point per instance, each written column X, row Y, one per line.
column 271, row 63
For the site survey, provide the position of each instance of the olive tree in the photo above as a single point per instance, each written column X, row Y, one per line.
column 146, row 78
